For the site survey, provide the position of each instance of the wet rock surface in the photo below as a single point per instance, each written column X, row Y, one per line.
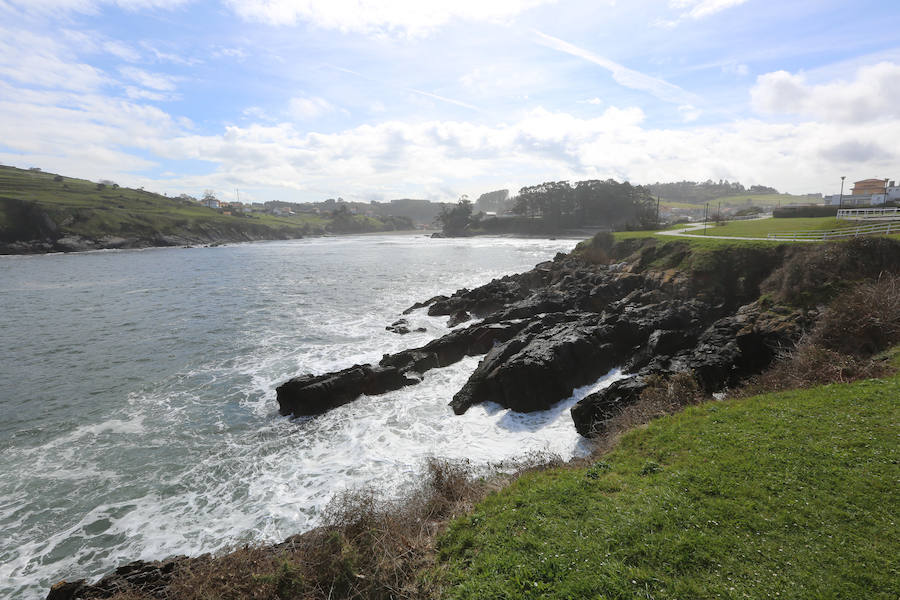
column 568, row 321
column 148, row 577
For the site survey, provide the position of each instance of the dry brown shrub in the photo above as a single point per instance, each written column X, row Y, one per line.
column 863, row 321
column 813, row 274
column 368, row 547
column 810, row 365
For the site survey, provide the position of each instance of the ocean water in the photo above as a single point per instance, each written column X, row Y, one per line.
column 137, row 393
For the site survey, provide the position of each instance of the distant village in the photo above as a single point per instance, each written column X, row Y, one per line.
column 422, row 212
column 866, row 192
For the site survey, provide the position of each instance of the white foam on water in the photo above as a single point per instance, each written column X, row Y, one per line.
column 200, row 460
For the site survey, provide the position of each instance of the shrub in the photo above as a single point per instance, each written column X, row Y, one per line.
column 810, row 365
column 597, row 249
column 790, row 212
column 864, row 320
column 814, row 274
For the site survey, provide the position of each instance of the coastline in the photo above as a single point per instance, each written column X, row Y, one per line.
column 660, row 325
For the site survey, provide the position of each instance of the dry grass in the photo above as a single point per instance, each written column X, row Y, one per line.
column 815, row 274
column 368, row 546
column 863, row 321
column 662, row 397
column 809, row 365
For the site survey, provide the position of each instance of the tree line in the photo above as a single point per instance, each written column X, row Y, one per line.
column 556, row 205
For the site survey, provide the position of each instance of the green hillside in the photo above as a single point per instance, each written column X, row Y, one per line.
column 61, row 213
column 789, row 495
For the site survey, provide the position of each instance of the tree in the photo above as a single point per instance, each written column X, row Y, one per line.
column 454, row 221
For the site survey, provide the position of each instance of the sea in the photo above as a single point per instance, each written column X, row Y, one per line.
column 138, row 417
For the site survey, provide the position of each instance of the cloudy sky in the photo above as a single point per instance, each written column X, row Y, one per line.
column 376, row 99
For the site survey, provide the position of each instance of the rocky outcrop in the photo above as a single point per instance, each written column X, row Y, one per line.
column 730, row 349
column 150, row 578
column 316, row 394
column 568, row 321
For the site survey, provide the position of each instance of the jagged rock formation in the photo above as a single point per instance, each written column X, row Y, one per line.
column 568, row 321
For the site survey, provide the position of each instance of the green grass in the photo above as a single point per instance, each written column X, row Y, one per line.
column 694, row 242
column 742, row 201
column 761, row 227
column 790, row 495
column 80, row 207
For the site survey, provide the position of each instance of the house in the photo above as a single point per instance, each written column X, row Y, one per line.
column 867, row 187
column 867, row 192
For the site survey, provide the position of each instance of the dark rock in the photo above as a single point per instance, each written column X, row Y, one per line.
column 147, row 578
column 65, row 590
column 592, row 412
column 543, row 364
column 451, row 348
column 400, row 326
column 425, row 304
column 316, row 394
column 458, row 317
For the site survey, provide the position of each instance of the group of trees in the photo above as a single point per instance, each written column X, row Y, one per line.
column 555, row 205
column 591, row 202
column 457, row 219
column 705, row 191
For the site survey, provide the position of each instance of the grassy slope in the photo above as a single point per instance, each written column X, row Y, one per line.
column 750, row 228
column 742, row 201
column 789, row 495
column 761, row 227
column 80, row 208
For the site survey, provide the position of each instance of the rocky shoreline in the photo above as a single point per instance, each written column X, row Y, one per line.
column 568, row 321
column 77, row 243
column 655, row 310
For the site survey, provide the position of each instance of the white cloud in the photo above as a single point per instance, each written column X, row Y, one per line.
column 623, row 75
column 309, row 108
column 409, row 17
column 154, row 81
column 444, row 99
column 870, row 96
column 169, row 57
column 397, row 158
column 122, row 50
column 41, row 61
column 697, row 9
column 689, row 113
column 237, row 53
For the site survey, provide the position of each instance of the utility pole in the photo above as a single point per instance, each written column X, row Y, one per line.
column 705, row 217
column 719, row 212
column 657, row 206
column 841, row 205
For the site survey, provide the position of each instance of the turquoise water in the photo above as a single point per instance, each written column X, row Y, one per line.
column 137, row 393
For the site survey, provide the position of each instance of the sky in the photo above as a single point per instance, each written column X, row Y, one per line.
column 303, row 100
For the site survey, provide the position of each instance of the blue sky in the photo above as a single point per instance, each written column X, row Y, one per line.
column 309, row 99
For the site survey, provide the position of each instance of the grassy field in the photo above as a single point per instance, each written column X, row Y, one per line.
column 754, row 228
column 742, row 201
column 761, row 227
column 789, row 495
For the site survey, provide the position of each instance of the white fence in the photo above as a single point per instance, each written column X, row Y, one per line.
column 874, row 214
column 835, row 234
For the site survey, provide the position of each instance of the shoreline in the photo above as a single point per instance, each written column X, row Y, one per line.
column 544, row 331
